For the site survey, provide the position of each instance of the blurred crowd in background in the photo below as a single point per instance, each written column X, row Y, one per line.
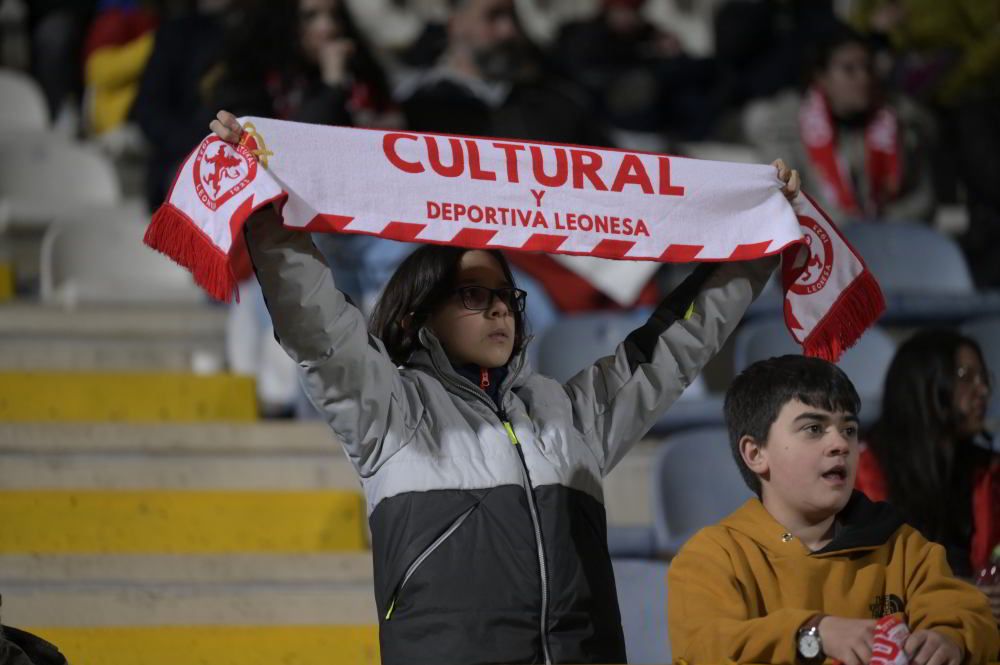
column 814, row 81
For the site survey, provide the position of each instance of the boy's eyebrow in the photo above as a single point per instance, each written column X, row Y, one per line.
column 815, row 415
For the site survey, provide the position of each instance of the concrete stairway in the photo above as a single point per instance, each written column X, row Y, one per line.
column 182, row 543
column 148, row 518
column 199, row 543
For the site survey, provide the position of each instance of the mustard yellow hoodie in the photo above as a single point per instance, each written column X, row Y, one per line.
column 740, row 590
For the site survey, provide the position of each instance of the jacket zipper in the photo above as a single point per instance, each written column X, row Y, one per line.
column 462, row 386
column 535, row 522
column 423, row 556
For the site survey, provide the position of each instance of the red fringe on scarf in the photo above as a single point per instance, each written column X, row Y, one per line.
column 857, row 308
column 171, row 232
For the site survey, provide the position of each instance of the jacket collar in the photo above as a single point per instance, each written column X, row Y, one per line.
column 861, row 525
column 433, row 360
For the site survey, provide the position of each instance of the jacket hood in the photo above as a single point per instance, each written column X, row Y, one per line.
column 862, row 525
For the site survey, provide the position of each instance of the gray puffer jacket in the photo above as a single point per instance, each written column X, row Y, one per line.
column 489, row 533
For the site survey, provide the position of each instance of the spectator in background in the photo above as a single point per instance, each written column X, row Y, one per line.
column 172, row 107
column 929, row 453
column 300, row 61
column 948, row 55
column 638, row 74
column 863, row 156
column 490, row 81
column 336, row 80
column 311, row 65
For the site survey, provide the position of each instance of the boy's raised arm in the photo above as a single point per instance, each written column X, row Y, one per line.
column 708, row 612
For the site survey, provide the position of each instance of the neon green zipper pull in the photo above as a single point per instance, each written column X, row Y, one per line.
column 510, row 433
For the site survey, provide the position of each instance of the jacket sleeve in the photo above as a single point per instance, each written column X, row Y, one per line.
column 708, row 617
column 346, row 372
column 619, row 398
column 937, row 600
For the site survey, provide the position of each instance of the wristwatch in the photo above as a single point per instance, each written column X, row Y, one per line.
column 808, row 644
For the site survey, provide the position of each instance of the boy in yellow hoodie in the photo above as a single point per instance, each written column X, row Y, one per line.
column 803, row 573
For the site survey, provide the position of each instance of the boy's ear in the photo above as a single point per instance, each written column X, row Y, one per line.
column 753, row 454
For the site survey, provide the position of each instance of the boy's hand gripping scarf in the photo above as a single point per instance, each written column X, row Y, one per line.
column 514, row 195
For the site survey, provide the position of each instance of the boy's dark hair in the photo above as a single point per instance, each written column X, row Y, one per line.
column 422, row 282
column 757, row 395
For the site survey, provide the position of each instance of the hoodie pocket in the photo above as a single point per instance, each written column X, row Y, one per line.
column 452, row 528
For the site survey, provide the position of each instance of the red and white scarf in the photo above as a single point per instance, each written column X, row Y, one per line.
column 882, row 162
column 514, row 195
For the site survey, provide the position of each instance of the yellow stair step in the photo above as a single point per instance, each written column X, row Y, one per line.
column 216, row 645
column 180, row 522
column 6, row 281
column 125, row 397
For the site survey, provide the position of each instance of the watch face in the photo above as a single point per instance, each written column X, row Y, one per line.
column 809, row 646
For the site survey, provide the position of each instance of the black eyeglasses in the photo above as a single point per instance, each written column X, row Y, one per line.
column 480, row 298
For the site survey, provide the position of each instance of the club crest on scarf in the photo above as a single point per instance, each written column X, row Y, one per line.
column 819, row 265
column 221, row 171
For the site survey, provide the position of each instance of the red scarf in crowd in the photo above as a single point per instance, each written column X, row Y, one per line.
column 882, row 162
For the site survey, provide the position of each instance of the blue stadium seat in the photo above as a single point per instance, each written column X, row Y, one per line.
column 642, row 596
column 922, row 272
column 632, row 541
column 576, row 341
column 866, row 363
column 759, row 339
column 695, row 484
column 986, row 331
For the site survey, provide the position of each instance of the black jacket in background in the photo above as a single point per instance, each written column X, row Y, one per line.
column 539, row 110
column 170, row 107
